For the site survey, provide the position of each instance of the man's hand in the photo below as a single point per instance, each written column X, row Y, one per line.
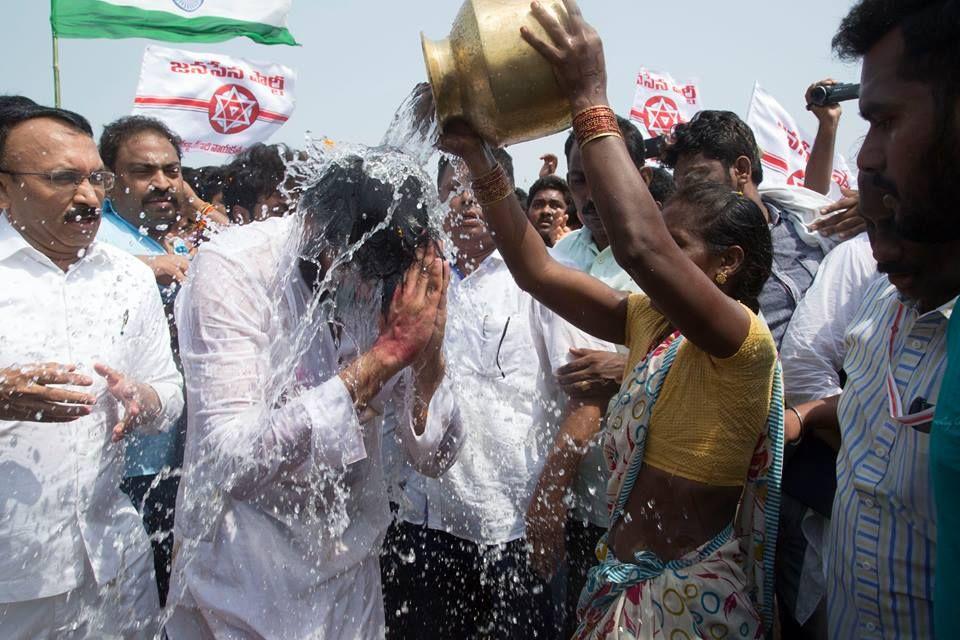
column 592, row 373
column 140, row 402
column 428, row 366
column 549, row 165
column 545, row 535
column 842, row 218
column 26, row 394
column 418, row 306
column 828, row 114
column 167, row 268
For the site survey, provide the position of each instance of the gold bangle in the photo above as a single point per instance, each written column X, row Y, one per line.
column 492, row 186
column 597, row 136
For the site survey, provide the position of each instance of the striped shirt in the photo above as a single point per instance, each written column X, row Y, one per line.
column 881, row 545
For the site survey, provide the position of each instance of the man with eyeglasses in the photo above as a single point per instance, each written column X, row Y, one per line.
column 84, row 359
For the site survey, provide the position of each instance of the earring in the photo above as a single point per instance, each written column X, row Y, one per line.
column 720, row 278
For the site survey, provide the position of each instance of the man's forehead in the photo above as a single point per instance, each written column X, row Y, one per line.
column 49, row 143
column 147, row 147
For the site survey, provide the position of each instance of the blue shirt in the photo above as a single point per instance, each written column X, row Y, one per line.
column 795, row 264
column 145, row 455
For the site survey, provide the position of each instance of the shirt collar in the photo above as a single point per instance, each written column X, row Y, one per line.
column 773, row 209
column 12, row 242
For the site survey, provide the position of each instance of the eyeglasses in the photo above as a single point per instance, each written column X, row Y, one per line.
column 67, row 178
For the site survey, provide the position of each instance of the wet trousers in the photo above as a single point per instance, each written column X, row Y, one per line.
column 439, row 586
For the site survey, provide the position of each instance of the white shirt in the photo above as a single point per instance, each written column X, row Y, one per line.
column 283, row 487
column 60, row 501
column 501, row 349
column 590, row 488
column 881, row 544
column 813, row 347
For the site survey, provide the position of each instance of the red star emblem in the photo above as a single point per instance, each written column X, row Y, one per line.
column 796, row 180
column 232, row 109
column 661, row 115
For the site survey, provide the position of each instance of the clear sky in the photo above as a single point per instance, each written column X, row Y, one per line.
column 358, row 60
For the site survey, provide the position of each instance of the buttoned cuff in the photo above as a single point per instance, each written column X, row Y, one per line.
column 335, row 431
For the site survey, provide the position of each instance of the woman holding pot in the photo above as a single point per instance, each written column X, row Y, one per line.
column 693, row 440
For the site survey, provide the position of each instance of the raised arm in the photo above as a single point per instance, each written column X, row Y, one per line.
column 582, row 300
column 819, row 172
column 639, row 238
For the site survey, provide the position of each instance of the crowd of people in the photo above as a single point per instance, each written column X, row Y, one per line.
column 302, row 396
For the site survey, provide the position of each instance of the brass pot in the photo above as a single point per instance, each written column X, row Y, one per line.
column 487, row 74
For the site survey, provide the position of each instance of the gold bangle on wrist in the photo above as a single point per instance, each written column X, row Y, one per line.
column 796, row 442
column 492, row 186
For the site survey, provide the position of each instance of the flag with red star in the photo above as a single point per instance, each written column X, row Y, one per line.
column 661, row 103
column 216, row 103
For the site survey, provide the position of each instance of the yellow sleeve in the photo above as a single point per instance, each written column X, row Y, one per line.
column 644, row 324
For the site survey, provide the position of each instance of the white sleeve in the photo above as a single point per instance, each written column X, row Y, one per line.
column 435, row 450
column 813, row 351
column 240, row 435
column 153, row 362
column 557, row 337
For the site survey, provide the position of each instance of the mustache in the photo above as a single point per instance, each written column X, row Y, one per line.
column 590, row 209
column 892, row 268
column 159, row 196
column 884, row 184
column 82, row 211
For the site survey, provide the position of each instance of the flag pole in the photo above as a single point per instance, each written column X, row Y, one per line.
column 56, row 70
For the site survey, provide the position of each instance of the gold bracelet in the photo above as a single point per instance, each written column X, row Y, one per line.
column 492, row 186
column 597, row 136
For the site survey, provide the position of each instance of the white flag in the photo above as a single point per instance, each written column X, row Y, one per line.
column 214, row 102
column 660, row 103
column 785, row 146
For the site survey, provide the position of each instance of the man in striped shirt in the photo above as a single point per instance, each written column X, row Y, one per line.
column 882, row 539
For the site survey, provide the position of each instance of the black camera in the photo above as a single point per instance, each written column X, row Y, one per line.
column 823, row 95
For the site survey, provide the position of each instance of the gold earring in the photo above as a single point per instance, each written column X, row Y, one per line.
column 720, row 278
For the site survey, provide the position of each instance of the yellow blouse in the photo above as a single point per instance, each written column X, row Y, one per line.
column 711, row 411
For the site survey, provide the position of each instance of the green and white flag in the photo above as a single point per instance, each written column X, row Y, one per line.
column 263, row 21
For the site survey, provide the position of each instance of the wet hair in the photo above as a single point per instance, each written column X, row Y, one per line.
column 631, row 137
column 207, row 182
column 121, row 130
column 15, row 110
column 723, row 218
column 500, row 155
column 347, row 202
column 662, row 187
column 718, row 135
column 550, row 182
column 256, row 173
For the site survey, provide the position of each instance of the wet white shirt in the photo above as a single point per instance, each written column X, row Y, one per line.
column 282, row 494
column 60, row 501
column 501, row 349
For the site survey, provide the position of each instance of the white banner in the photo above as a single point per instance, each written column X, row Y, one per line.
column 785, row 146
column 216, row 103
column 660, row 103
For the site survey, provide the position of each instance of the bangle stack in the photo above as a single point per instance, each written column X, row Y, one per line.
column 205, row 211
column 594, row 123
column 492, row 186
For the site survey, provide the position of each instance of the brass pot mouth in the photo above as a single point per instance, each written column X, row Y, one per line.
column 442, row 74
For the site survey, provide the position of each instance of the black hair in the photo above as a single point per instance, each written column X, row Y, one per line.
column 207, row 182
column 631, row 137
column 550, row 182
column 256, row 173
column 15, row 110
column 347, row 203
column 723, row 219
column 718, row 135
column 662, row 187
column 500, row 155
column 522, row 197
column 122, row 129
